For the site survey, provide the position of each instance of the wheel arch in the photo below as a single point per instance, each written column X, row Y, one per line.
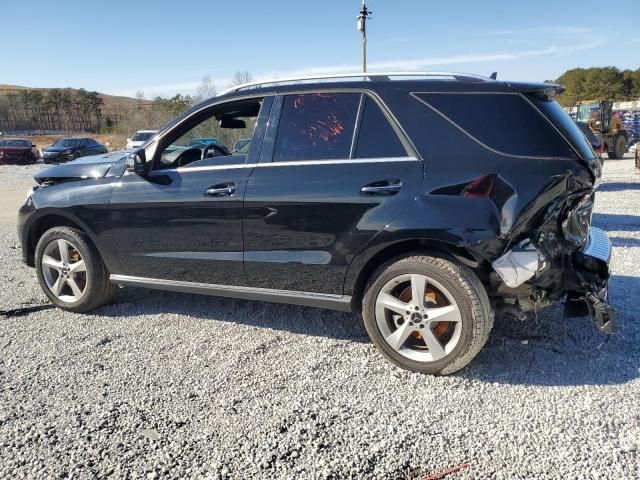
column 358, row 277
column 49, row 219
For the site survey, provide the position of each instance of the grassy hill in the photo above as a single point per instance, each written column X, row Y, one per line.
column 111, row 102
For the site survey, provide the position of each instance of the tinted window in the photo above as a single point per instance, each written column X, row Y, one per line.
column 317, row 126
column 561, row 119
column 376, row 138
column 503, row 122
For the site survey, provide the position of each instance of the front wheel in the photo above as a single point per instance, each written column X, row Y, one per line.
column 427, row 314
column 70, row 270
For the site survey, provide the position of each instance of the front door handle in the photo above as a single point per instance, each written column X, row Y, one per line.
column 221, row 190
column 382, row 187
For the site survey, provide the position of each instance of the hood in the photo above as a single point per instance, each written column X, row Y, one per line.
column 95, row 166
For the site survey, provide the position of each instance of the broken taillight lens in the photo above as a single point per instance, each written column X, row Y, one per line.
column 577, row 222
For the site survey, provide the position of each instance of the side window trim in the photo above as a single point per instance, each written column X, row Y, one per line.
column 271, row 130
column 356, row 130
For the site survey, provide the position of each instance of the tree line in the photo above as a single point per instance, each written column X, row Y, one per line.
column 67, row 110
column 54, row 109
column 598, row 83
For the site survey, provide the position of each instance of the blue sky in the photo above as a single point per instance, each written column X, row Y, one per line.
column 165, row 47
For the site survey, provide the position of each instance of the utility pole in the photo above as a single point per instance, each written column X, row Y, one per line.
column 362, row 27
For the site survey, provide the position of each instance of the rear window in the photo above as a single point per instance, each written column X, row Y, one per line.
column 563, row 122
column 376, row 137
column 503, row 122
column 316, row 126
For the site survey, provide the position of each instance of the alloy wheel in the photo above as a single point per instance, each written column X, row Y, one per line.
column 64, row 271
column 418, row 317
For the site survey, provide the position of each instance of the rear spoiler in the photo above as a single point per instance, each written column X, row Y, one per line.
column 544, row 91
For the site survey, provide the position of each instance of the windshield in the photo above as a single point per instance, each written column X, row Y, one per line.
column 67, row 143
column 588, row 111
column 15, row 143
column 142, row 136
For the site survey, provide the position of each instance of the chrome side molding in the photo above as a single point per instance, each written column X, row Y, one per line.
column 310, row 299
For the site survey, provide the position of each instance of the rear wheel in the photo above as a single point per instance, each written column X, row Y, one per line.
column 619, row 147
column 70, row 270
column 427, row 314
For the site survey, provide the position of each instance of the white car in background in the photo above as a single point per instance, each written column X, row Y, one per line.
column 139, row 138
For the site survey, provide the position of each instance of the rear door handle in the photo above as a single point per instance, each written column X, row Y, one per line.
column 382, row 187
column 221, row 190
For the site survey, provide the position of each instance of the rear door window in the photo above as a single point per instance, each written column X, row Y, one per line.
column 503, row 122
column 376, row 136
column 316, row 126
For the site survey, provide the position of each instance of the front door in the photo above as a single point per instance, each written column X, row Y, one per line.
column 183, row 221
column 333, row 172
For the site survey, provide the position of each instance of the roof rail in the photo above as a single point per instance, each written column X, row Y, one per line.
column 372, row 76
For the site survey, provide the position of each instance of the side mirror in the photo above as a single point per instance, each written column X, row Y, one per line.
column 128, row 140
column 137, row 162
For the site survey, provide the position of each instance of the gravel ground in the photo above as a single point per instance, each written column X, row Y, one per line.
column 162, row 385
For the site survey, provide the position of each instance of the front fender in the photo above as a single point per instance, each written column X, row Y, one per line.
column 81, row 204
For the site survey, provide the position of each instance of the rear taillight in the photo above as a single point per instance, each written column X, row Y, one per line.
column 577, row 222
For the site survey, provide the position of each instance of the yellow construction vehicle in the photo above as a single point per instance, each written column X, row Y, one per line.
column 608, row 129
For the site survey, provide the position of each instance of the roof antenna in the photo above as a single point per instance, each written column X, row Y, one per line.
column 494, row 75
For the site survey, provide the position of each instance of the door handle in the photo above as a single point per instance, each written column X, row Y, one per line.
column 382, row 187
column 221, row 190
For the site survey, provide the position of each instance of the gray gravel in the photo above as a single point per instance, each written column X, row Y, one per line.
column 162, row 385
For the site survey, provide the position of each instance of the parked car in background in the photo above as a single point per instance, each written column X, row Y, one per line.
column 399, row 197
column 18, row 150
column 240, row 144
column 139, row 138
column 71, row 148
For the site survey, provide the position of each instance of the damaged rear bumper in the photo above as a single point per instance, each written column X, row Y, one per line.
column 533, row 279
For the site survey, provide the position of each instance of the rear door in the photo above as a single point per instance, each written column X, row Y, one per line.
column 333, row 171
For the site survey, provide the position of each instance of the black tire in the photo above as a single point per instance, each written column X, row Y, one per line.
column 98, row 289
column 637, row 157
column 619, row 147
column 469, row 295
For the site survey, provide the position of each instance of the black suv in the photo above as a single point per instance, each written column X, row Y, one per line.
column 427, row 202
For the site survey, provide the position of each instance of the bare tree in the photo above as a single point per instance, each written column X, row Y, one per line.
column 241, row 77
column 205, row 90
